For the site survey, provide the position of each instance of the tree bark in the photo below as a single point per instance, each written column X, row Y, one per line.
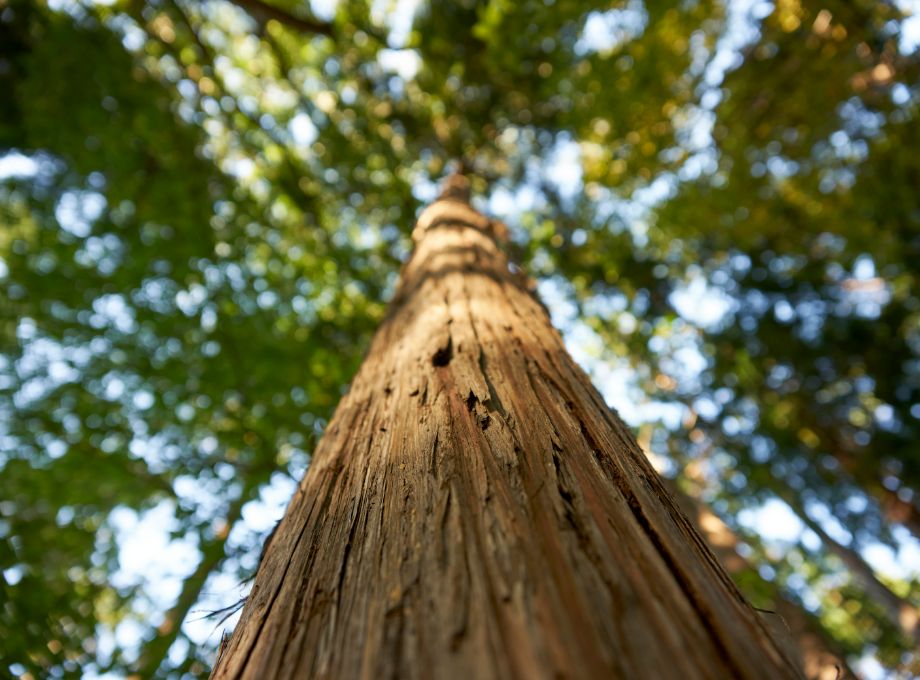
column 820, row 657
column 475, row 510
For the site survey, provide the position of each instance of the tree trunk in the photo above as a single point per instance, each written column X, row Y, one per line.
column 820, row 658
column 475, row 510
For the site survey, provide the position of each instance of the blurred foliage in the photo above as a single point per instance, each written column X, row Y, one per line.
column 204, row 206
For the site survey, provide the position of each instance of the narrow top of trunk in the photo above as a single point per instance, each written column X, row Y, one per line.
column 456, row 187
column 452, row 208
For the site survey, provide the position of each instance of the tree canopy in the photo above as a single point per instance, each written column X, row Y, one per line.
column 204, row 207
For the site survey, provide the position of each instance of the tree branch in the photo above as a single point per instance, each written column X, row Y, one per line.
column 263, row 12
column 213, row 554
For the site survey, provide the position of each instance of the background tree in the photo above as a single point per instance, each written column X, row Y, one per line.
column 205, row 204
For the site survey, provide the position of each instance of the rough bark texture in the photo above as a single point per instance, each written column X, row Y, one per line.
column 475, row 510
column 791, row 624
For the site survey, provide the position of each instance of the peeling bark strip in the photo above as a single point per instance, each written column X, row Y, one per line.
column 475, row 510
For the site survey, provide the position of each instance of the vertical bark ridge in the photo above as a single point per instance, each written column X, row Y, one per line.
column 475, row 509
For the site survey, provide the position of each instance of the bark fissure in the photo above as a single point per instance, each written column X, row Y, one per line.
column 675, row 567
column 493, row 399
column 443, row 355
column 261, row 622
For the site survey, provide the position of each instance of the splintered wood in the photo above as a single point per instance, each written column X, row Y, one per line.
column 475, row 511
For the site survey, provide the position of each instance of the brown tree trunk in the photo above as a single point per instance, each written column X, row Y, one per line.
column 475, row 510
column 820, row 658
